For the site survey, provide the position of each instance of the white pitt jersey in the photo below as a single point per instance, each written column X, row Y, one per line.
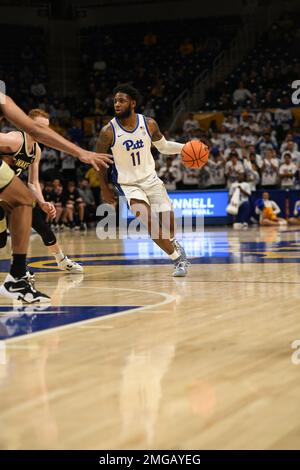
column 133, row 160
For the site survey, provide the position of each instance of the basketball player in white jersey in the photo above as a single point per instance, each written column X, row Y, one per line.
column 130, row 136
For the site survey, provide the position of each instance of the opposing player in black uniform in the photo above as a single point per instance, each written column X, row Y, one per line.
column 26, row 155
column 17, row 199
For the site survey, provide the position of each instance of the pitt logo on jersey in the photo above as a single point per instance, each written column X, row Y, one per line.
column 131, row 145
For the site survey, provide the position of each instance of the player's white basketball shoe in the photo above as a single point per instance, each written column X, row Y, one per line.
column 21, row 289
column 66, row 264
column 180, row 267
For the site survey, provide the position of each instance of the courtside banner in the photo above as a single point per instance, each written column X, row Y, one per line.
column 193, row 204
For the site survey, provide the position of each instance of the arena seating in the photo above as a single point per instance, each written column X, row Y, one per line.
column 161, row 59
column 267, row 71
column 23, row 59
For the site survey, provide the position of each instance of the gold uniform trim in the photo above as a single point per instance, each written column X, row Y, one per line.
column 6, row 175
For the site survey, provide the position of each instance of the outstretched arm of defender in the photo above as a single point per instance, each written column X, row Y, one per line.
column 164, row 146
column 104, row 142
column 47, row 136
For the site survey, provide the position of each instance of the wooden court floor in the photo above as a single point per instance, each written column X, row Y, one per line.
column 127, row 357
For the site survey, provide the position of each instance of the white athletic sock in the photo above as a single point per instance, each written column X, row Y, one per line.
column 175, row 255
column 59, row 256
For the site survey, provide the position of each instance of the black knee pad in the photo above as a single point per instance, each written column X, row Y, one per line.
column 49, row 238
column 42, row 227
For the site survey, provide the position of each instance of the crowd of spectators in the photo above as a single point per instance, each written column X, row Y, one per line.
column 264, row 77
column 75, row 202
column 262, row 147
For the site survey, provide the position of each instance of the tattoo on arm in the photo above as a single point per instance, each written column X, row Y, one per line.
column 104, row 142
column 105, row 139
column 154, row 129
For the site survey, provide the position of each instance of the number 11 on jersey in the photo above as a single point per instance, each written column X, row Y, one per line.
column 136, row 159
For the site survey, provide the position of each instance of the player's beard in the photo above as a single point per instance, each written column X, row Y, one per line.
column 125, row 114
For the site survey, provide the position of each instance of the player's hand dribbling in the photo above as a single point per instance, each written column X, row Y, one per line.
column 49, row 209
column 96, row 159
column 108, row 196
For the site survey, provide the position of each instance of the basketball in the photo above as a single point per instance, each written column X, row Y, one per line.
column 194, row 154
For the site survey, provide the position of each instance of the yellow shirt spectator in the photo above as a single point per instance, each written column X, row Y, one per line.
column 93, row 178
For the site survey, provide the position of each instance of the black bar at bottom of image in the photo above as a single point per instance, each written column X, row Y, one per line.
column 139, row 458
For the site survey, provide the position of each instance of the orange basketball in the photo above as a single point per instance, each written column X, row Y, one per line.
column 194, row 154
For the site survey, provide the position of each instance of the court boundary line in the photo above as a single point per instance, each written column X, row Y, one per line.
column 167, row 299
